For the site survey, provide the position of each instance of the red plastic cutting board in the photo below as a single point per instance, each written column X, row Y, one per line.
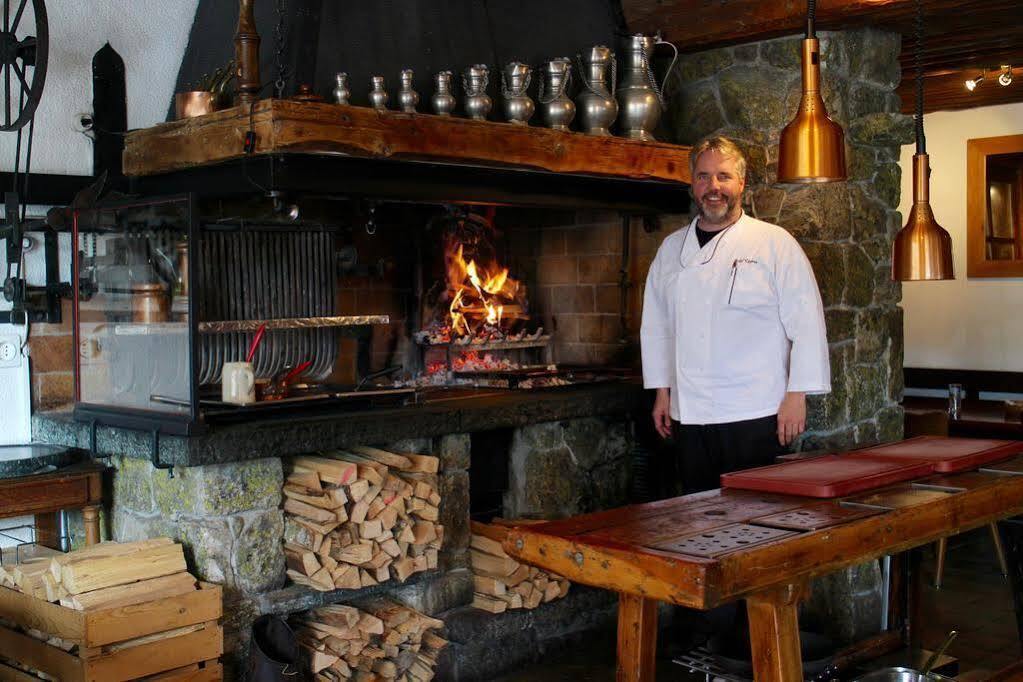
column 948, row 455
column 827, row 476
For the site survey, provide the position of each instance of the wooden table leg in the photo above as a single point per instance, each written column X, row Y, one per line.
column 637, row 638
column 1011, row 531
column 774, row 633
column 90, row 515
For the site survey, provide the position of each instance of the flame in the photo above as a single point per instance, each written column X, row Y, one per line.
column 480, row 294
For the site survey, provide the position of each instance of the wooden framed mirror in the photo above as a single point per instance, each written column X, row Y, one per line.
column 994, row 206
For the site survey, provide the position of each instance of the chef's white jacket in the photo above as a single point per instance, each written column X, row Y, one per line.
column 730, row 327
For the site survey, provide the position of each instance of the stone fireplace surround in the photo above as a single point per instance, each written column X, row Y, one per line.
column 570, row 450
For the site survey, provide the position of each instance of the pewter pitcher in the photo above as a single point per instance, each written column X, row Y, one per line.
column 407, row 97
column 640, row 97
column 555, row 106
column 518, row 106
column 341, row 92
column 477, row 101
column 443, row 101
column 598, row 108
column 378, row 96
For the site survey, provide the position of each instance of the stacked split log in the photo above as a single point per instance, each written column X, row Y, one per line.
column 358, row 517
column 378, row 640
column 500, row 582
column 105, row 575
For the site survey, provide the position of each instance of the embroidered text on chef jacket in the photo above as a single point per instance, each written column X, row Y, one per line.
column 732, row 326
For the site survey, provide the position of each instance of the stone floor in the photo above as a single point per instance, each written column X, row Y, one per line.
column 975, row 600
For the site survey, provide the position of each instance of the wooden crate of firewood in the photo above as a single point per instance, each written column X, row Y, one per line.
column 500, row 582
column 358, row 517
column 375, row 640
column 126, row 611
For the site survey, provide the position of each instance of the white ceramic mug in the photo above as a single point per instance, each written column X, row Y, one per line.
column 238, row 383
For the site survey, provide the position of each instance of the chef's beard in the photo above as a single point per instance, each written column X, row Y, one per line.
column 717, row 215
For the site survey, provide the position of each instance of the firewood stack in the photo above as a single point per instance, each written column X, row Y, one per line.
column 500, row 582
column 105, row 575
column 379, row 640
column 358, row 517
column 126, row 611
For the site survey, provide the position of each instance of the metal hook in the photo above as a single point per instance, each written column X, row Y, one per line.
column 371, row 226
column 154, row 455
column 92, row 439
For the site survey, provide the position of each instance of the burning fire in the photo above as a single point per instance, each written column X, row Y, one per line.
column 482, row 295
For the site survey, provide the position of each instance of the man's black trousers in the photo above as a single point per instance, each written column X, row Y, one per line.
column 706, row 451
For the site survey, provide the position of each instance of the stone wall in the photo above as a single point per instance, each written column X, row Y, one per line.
column 227, row 517
column 559, row 469
column 749, row 93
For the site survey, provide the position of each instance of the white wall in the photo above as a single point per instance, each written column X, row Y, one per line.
column 150, row 35
column 962, row 323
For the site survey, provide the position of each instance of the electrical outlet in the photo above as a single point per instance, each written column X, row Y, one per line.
column 10, row 351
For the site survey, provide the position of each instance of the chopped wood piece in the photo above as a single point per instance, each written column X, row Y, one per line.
column 172, row 585
column 423, row 532
column 108, row 571
column 355, row 554
column 371, row 528
column 485, row 544
column 429, row 512
column 482, row 601
column 423, row 463
column 403, row 568
column 493, row 565
column 384, row 457
column 512, row 599
column 306, row 478
column 330, row 470
column 358, row 489
column 300, row 559
column 317, row 514
column 488, row 586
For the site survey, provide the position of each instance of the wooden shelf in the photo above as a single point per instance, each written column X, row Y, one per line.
column 319, row 129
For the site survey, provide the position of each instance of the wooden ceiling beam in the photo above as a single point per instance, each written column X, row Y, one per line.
column 695, row 25
column 948, row 91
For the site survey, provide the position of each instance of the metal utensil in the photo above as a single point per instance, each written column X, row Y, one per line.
column 937, row 654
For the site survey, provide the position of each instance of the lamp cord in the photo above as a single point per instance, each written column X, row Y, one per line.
column 921, row 142
column 811, row 17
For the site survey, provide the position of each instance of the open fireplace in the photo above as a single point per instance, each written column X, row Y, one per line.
column 360, row 305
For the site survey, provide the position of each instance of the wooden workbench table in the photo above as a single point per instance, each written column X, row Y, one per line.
column 79, row 486
column 635, row 551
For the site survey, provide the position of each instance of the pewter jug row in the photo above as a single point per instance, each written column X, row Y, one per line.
column 636, row 101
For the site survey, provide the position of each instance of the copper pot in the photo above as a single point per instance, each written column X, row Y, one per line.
column 149, row 303
column 194, row 103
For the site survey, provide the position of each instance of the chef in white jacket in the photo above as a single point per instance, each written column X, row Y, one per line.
column 733, row 333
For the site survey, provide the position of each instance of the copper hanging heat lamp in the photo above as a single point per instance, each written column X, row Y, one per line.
column 923, row 248
column 812, row 146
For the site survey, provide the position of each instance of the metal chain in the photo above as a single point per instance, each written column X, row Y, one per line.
column 282, row 70
column 652, row 80
column 506, row 92
column 614, row 74
column 558, row 91
column 482, row 90
column 605, row 92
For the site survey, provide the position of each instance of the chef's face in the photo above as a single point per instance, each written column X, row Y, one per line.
column 717, row 187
